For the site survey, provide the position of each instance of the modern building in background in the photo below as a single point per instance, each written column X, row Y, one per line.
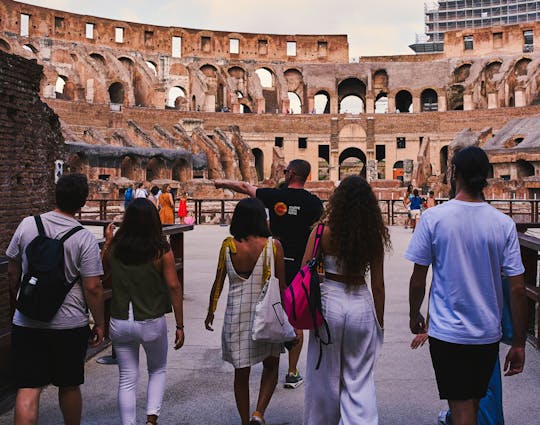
column 442, row 16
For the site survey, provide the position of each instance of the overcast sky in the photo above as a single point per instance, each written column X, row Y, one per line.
column 374, row 27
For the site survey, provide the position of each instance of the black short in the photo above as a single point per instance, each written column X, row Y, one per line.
column 48, row 356
column 462, row 371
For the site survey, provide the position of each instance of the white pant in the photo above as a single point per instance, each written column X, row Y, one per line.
column 127, row 336
column 342, row 390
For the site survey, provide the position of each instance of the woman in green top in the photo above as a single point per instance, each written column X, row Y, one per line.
column 141, row 266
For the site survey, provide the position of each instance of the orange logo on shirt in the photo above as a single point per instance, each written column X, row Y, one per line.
column 280, row 209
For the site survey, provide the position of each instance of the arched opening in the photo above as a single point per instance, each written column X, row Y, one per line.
column 127, row 62
column 180, row 171
column 322, row 102
column 492, row 69
column 381, row 103
column 380, row 80
column 352, row 161
column 404, row 102
column 443, row 159
column 259, row 163
column 324, row 169
column 462, row 73
column 295, row 104
column 429, row 101
column 397, row 171
column 152, row 66
column 176, row 98
column 4, row 45
column 194, row 106
column 78, row 163
column 30, row 48
column 98, row 58
column 524, row 168
column 116, row 93
column 455, row 97
column 245, row 109
column 153, row 169
column 265, row 77
column 236, row 72
column 351, row 95
column 59, row 86
column 521, row 67
column 127, row 168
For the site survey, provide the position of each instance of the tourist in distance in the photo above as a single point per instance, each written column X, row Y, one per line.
column 54, row 352
column 407, row 204
column 467, row 256
column 241, row 258
column 430, row 202
column 142, row 269
column 293, row 211
column 128, row 196
column 415, row 205
column 182, row 207
column 141, row 192
column 153, row 197
column 342, row 390
column 166, row 205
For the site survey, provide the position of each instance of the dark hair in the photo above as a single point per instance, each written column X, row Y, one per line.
column 359, row 234
column 415, row 192
column 249, row 219
column 409, row 188
column 431, row 192
column 71, row 192
column 140, row 238
column 155, row 190
column 472, row 165
column 301, row 168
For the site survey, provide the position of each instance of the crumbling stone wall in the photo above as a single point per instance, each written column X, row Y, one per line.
column 30, row 142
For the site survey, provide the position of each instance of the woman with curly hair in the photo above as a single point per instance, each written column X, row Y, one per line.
column 354, row 238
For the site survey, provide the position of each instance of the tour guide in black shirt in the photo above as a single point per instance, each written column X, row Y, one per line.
column 293, row 210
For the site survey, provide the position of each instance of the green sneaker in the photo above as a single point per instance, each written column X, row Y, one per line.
column 293, row 380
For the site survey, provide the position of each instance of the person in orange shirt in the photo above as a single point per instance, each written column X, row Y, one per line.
column 165, row 201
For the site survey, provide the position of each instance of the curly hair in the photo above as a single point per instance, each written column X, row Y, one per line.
column 358, row 233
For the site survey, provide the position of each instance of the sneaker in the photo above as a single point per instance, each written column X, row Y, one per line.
column 293, row 380
column 256, row 419
column 444, row 418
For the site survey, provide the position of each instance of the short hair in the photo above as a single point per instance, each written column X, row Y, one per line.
column 301, row 168
column 415, row 192
column 249, row 219
column 155, row 190
column 71, row 192
column 472, row 165
column 431, row 192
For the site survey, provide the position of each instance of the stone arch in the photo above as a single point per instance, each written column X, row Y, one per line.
column 154, row 169
column 61, row 81
column 454, row 97
column 404, row 101
column 30, row 48
column 267, row 80
column 209, row 70
column 127, row 167
column 127, row 62
column 152, row 66
column 116, row 93
column 237, row 72
column 98, row 58
column 381, row 103
column 353, row 91
column 380, row 80
column 181, row 170
column 491, row 69
column 397, row 171
column 295, row 103
column 524, row 169
column 266, row 77
column 321, row 102
column 4, row 45
column 352, row 161
column 520, row 68
column 176, row 98
column 462, row 72
column 259, row 163
column 443, row 160
column 429, row 101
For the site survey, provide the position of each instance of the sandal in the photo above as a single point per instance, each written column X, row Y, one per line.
column 256, row 418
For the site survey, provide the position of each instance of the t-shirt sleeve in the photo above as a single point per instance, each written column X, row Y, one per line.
column 419, row 250
column 14, row 248
column 511, row 261
column 90, row 257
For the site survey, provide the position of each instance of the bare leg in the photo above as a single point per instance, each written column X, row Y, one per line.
column 464, row 412
column 241, row 393
column 70, row 401
column 27, row 406
column 269, row 380
column 294, row 352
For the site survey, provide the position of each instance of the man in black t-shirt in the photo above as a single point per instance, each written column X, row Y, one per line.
column 292, row 211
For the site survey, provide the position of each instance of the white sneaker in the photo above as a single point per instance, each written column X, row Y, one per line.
column 444, row 418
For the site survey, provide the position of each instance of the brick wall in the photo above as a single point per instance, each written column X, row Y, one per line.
column 30, row 142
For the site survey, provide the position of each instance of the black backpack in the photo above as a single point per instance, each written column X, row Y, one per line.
column 44, row 287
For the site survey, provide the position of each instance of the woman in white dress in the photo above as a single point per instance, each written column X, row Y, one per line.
column 242, row 258
column 342, row 390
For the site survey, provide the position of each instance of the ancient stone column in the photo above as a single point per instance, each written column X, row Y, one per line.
column 371, row 168
column 407, row 170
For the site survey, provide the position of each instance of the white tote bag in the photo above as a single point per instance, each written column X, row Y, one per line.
column 270, row 323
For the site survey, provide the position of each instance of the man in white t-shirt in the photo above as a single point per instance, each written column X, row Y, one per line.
column 469, row 244
column 54, row 352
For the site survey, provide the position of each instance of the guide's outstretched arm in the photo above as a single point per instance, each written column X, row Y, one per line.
column 237, row 186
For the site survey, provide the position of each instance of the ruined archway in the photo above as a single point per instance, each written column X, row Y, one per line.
column 381, row 103
column 321, row 102
column 352, row 161
column 454, row 97
column 295, row 90
column 380, row 80
column 60, row 86
column 524, row 169
column 154, row 169
column 116, row 93
column 267, row 81
column 176, row 98
column 443, row 160
column 127, row 168
column 397, row 171
column 259, row 163
column 152, row 66
column 295, row 104
column 266, row 77
column 181, row 170
column 520, row 68
column 429, row 101
column 4, row 45
column 351, row 96
column 404, row 101
column 462, row 72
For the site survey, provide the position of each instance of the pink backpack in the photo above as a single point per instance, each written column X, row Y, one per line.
column 302, row 299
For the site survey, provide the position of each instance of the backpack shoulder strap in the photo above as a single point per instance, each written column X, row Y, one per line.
column 318, row 236
column 70, row 233
column 39, row 224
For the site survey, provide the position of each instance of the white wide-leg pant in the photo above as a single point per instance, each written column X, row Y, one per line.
column 127, row 336
column 342, row 390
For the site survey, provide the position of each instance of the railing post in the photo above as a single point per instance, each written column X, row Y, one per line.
column 510, row 212
column 392, row 212
column 222, row 219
